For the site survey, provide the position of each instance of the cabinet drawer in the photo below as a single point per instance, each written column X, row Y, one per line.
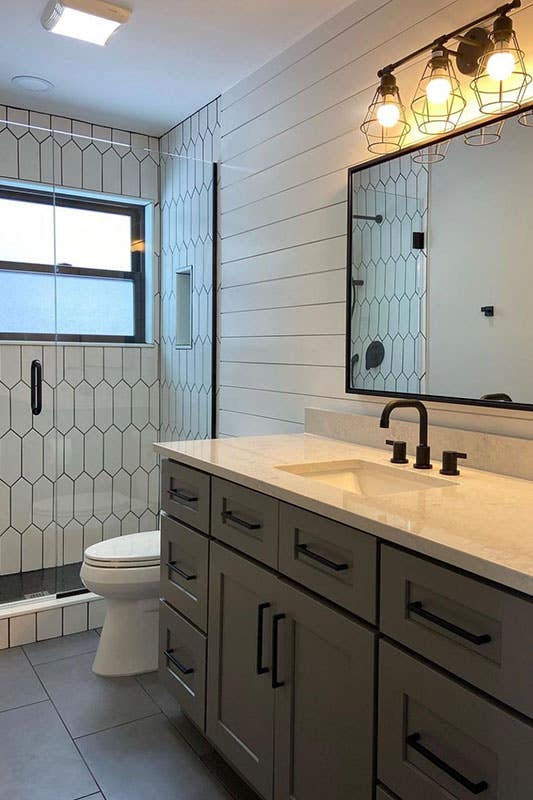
column 246, row 520
column 333, row 560
column 438, row 740
column 185, row 494
column 184, row 570
column 480, row 633
column 182, row 663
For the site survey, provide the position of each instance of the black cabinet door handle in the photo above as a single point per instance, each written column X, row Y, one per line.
column 184, row 670
column 174, row 568
column 261, row 608
column 418, row 609
column 276, row 619
column 36, row 392
column 177, row 494
column 304, row 548
column 413, row 740
column 250, row 526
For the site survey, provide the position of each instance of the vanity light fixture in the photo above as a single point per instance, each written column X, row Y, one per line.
column 501, row 79
column 493, row 60
column 91, row 21
column 526, row 119
column 385, row 125
column 438, row 103
column 488, row 134
column 431, row 153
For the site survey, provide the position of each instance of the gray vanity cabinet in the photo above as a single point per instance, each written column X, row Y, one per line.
column 290, row 686
column 438, row 739
column 240, row 705
column 324, row 705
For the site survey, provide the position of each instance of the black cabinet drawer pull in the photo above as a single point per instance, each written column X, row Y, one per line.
column 172, row 566
column 418, row 608
column 304, row 548
column 177, row 494
column 276, row 619
column 261, row 670
column 475, row 788
column 177, row 664
column 250, row 526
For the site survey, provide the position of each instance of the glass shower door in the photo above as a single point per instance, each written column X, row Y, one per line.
column 28, row 444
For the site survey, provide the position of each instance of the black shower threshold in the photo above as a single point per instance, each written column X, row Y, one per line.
column 63, row 581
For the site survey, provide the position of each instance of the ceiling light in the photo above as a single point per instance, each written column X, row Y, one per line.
column 385, row 125
column 91, row 21
column 31, row 83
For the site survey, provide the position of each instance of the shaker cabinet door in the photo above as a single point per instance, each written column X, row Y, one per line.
column 240, row 712
column 324, row 702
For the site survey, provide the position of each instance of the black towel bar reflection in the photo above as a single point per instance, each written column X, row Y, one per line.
column 418, row 609
column 413, row 740
column 173, row 660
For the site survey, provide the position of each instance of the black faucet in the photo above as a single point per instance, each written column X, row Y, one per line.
column 422, row 451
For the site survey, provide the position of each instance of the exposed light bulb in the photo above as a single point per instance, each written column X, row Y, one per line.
column 438, row 90
column 388, row 113
column 500, row 65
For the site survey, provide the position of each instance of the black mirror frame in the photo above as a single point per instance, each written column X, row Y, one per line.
column 348, row 330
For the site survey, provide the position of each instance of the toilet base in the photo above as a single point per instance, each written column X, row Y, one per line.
column 129, row 639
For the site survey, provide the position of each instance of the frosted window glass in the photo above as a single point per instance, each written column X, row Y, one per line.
column 85, row 306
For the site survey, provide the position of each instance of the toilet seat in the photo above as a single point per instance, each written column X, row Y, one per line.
column 134, row 551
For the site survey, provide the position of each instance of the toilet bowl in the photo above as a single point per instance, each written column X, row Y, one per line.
column 125, row 572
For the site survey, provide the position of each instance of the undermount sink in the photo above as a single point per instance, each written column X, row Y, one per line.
column 366, row 478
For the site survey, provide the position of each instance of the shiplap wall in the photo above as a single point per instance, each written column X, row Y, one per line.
column 289, row 133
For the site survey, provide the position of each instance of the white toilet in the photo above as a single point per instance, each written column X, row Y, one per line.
column 125, row 572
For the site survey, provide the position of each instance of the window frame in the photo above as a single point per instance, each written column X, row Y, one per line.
column 137, row 275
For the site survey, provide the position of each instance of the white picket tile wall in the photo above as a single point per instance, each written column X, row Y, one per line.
column 88, row 464
column 289, row 133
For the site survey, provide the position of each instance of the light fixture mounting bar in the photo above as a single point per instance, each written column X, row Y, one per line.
column 452, row 35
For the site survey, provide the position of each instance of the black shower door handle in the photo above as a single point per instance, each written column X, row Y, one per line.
column 36, row 376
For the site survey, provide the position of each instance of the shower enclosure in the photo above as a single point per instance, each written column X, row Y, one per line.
column 106, row 331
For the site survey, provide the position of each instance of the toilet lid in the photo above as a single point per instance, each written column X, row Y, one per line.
column 133, row 550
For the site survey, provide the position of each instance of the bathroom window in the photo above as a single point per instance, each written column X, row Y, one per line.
column 72, row 268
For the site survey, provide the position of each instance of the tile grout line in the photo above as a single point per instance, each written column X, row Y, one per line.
column 25, row 705
column 66, row 729
column 158, row 713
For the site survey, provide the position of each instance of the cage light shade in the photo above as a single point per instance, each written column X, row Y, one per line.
column 385, row 125
column 91, row 21
column 438, row 102
column 501, row 78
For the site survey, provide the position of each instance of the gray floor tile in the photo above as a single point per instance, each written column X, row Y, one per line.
column 39, row 760
column 171, row 708
column 87, row 702
column 238, row 789
column 148, row 760
column 63, row 647
column 19, row 685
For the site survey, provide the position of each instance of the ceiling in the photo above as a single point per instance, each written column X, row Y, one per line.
column 171, row 58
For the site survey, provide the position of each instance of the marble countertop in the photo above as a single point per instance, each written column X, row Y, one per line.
column 479, row 521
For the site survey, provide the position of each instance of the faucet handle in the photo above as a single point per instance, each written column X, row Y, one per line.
column 449, row 462
column 399, row 452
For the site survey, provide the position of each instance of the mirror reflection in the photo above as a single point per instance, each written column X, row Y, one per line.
column 439, row 270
